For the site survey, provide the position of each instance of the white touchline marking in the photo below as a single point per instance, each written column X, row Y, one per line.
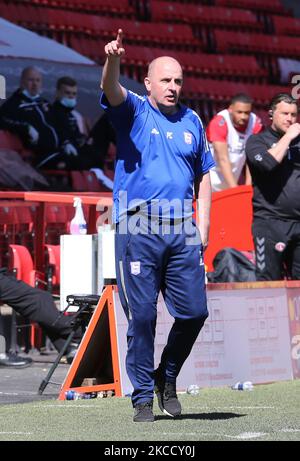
column 246, row 435
column 19, row 393
column 60, row 405
column 251, row 408
column 180, row 434
column 9, row 393
column 16, row 433
column 290, row 430
column 262, row 407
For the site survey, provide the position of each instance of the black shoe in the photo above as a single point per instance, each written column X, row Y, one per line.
column 143, row 413
column 166, row 395
column 11, row 360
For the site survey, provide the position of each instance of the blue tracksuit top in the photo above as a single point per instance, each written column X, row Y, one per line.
column 158, row 157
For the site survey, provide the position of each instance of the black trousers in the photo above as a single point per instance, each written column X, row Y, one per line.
column 37, row 306
column 277, row 248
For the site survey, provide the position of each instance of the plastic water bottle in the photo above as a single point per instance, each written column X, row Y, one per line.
column 193, row 389
column 78, row 223
column 73, row 395
column 243, row 386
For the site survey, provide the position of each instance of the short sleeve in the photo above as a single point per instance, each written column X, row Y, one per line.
column 123, row 114
column 258, row 125
column 205, row 159
column 217, row 129
column 258, row 156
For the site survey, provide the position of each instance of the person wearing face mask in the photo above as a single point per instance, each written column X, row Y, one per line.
column 76, row 148
column 27, row 114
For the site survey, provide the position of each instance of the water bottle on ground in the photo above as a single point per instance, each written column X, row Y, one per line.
column 242, row 386
column 73, row 395
column 193, row 389
column 78, row 223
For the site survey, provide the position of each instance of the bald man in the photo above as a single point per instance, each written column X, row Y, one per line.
column 162, row 152
column 27, row 114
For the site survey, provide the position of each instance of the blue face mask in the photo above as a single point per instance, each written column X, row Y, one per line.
column 68, row 102
column 30, row 96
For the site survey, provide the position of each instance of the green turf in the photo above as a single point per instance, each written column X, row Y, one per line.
column 269, row 412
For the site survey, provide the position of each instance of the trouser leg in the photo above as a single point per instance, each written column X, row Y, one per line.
column 270, row 241
column 137, row 277
column 294, row 252
column 2, row 336
column 185, row 297
column 37, row 306
column 181, row 339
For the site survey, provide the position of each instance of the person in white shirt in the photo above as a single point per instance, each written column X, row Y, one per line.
column 227, row 134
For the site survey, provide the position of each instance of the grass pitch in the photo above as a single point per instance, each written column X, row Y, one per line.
column 268, row 413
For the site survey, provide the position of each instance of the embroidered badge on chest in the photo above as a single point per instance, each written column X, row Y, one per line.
column 280, row 246
column 187, row 137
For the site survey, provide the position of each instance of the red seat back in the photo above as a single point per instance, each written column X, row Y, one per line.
column 53, row 256
column 21, row 262
column 231, row 219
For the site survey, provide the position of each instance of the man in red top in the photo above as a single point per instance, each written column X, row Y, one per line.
column 227, row 133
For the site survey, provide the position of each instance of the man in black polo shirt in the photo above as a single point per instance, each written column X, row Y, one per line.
column 274, row 161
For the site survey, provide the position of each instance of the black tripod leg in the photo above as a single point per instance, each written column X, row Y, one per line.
column 45, row 381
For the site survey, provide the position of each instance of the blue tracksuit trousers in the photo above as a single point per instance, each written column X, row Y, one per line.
column 169, row 260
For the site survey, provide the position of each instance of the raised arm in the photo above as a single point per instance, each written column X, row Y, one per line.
column 110, row 84
column 280, row 150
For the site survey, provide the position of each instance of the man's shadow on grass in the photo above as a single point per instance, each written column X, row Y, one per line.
column 202, row 416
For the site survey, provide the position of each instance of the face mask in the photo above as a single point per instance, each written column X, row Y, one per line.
column 28, row 95
column 69, row 102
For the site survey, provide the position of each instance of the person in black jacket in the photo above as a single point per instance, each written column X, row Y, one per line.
column 37, row 306
column 76, row 146
column 27, row 114
column 274, row 161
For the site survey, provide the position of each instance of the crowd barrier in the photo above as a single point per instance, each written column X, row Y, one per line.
column 252, row 334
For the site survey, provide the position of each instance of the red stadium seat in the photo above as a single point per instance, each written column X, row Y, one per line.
column 10, row 141
column 25, row 226
column 86, row 181
column 269, row 6
column 227, row 42
column 92, row 182
column 22, row 265
column 214, row 65
column 52, row 267
column 78, row 181
column 204, row 15
column 286, row 26
column 21, row 262
column 56, row 222
column 224, row 90
column 110, row 7
column 8, row 221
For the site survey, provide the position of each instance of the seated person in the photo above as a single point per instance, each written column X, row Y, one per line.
column 37, row 306
column 77, row 149
column 104, row 141
column 27, row 114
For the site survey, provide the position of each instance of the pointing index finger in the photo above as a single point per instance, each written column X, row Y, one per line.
column 120, row 37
